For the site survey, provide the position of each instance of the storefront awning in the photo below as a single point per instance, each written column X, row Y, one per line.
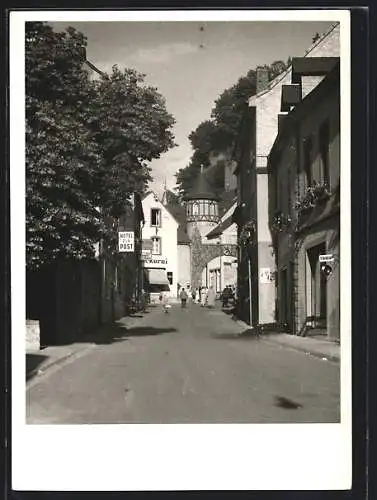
column 157, row 280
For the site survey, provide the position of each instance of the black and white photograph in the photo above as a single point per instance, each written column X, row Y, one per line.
column 180, row 253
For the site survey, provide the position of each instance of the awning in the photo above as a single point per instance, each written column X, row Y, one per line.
column 220, row 228
column 157, row 280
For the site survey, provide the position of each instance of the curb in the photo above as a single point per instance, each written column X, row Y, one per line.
column 311, row 352
column 39, row 372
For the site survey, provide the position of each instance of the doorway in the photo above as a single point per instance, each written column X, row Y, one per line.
column 316, row 288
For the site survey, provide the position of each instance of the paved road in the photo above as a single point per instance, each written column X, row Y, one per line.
column 185, row 368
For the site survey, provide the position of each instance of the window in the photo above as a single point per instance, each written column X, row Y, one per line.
column 156, row 245
column 308, row 150
column 170, row 277
column 324, row 142
column 155, row 217
column 195, row 209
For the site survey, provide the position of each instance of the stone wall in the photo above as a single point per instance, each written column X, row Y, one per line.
column 202, row 254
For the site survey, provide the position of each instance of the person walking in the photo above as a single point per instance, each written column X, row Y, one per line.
column 211, row 297
column 183, row 296
column 203, row 296
column 197, row 296
column 165, row 303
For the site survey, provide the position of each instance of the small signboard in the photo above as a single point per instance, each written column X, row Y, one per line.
column 146, row 254
column 329, row 257
column 265, row 275
column 126, row 241
column 147, row 245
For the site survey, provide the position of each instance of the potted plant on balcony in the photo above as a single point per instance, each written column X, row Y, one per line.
column 280, row 222
column 248, row 232
column 315, row 194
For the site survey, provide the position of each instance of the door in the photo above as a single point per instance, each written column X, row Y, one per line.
column 318, row 287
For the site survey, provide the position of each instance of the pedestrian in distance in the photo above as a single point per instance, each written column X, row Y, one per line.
column 197, row 295
column 211, row 297
column 165, row 303
column 183, row 296
column 225, row 296
column 203, row 296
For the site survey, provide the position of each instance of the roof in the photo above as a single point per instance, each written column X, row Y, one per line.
column 202, row 189
column 220, row 228
column 179, row 214
column 227, row 199
column 331, row 81
column 282, row 75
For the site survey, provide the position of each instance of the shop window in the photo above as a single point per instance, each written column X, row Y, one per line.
column 169, row 275
column 155, row 217
column 156, row 248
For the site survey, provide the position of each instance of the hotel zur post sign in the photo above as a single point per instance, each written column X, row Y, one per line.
column 126, row 241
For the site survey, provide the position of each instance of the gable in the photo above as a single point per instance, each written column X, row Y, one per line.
column 151, row 201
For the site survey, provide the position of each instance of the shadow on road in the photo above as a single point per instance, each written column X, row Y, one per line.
column 109, row 334
column 147, row 330
column 32, row 363
column 286, row 404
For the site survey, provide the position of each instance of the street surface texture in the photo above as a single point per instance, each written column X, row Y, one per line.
column 185, row 367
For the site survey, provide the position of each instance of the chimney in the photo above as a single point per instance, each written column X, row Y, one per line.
column 262, row 78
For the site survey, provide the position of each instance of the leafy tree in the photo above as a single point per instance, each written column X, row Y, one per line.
column 88, row 144
column 220, row 132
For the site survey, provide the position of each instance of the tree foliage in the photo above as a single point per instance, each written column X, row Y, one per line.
column 88, row 144
column 218, row 134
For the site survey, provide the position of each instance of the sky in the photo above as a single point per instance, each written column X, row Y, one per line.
column 192, row 67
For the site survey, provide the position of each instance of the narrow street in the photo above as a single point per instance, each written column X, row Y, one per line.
column 185, row 367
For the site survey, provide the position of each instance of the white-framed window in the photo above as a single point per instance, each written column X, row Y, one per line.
column 156, row 242
column 195, row 208
column 155, row 217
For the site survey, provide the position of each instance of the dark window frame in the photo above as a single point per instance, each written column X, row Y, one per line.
column 308, row 159
column 157, row 210
column 324, row 150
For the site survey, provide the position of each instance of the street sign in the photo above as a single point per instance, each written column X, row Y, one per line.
column 126, row 241
column 329, row 257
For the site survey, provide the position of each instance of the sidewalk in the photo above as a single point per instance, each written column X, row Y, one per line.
column 317, row 347
column 38, row 361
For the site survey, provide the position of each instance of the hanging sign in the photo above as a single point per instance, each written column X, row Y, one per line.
column 126, row 241
column 329, row 257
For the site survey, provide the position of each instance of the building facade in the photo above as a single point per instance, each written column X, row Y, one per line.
column 160, row 228
column 258, row 132
column 210, row 253
column 304, row 170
